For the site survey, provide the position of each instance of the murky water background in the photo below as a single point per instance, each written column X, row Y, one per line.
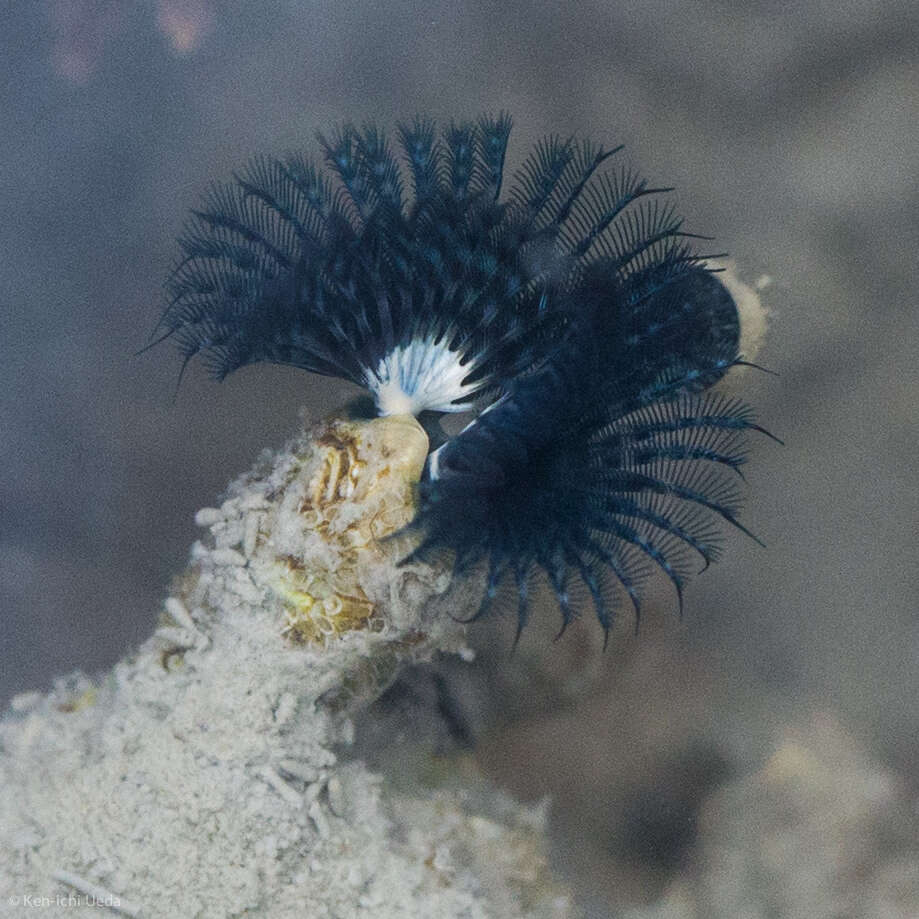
column 791, row 133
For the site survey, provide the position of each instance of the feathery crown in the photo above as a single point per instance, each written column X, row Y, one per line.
column 572, row 315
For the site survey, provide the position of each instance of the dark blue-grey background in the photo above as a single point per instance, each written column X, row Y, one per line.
column 790, row 130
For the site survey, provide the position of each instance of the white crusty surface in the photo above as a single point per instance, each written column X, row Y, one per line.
column 207, row 775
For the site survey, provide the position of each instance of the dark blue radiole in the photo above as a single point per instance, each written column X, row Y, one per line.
column 572, row 317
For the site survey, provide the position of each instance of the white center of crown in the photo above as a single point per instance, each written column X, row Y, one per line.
column 424, row 375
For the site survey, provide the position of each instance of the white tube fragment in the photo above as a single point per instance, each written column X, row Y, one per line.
column 228, row 557
column 250, row 539
column 181, row 638
column 99, row 895
column 297, row 769
column 176, row 608
column 208, row 516
column 289, row 794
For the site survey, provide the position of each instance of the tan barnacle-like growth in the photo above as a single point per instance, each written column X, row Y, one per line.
column 355, row 487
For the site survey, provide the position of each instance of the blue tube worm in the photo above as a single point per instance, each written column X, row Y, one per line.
column 572, row 316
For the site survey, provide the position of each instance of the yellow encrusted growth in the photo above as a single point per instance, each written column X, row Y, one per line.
column 77, row 703
column 361, row 488
column 317, row 607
